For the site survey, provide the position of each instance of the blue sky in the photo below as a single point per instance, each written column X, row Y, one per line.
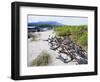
column 66, row 20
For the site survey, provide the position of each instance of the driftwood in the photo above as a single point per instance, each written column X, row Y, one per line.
column 62, row 59
column 68, row 47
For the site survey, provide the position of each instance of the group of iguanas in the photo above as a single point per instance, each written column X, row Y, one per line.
column 67, row 47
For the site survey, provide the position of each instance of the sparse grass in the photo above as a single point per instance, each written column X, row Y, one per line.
column 33, row 36
column 78, row 33
column 62, row 31
column 42, row 59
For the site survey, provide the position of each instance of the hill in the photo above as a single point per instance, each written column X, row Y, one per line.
column 45, row 24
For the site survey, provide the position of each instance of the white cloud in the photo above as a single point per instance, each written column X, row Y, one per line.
column 67, row 20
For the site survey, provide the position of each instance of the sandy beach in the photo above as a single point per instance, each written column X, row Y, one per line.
column 36, row 47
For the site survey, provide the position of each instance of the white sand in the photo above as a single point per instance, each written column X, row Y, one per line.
column 36, row 47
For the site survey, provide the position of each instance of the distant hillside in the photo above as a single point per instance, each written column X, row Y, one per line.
column 45, row 23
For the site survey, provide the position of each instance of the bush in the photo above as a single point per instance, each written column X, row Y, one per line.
column 83, row 39
column 32, row 35
column 42, row 59
column 78, row 33
column 33, row 38
column 62, row 31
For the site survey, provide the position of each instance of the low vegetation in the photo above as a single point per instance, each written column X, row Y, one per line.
column 78, row 33
column 33, row 36
column 42, row 59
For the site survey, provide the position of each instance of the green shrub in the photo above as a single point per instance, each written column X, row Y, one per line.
column 83, row 39
column 42, row 59
column 33, row 38
column 32, row 35
column 78, row 33
column 62, row 31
